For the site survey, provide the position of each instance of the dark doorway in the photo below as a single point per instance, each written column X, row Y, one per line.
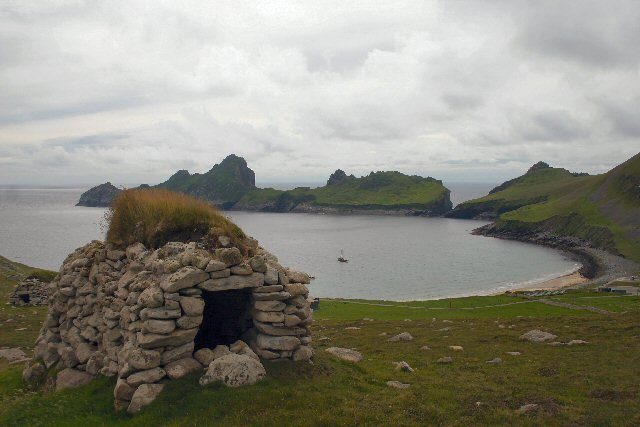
column 227, row 315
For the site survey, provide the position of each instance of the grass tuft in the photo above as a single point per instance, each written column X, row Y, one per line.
column 156, row 216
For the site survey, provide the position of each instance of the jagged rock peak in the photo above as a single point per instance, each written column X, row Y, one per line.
column 241, row 171
column 99, row 196
column 337, row 177
column 538, row 166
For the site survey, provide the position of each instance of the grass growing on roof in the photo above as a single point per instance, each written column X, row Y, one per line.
column 156, row 216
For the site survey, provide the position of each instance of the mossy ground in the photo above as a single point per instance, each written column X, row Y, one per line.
column 592, row 384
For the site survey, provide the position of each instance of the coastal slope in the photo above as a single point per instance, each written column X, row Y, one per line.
column 559, row 208
column 230, row 185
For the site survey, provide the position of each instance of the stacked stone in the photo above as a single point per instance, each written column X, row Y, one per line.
column 31, row 291
column 282, row 315
column 136, row 313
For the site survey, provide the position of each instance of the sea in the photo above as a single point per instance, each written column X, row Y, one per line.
column 390, row 258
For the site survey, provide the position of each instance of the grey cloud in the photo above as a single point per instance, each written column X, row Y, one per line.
column 555, row 125
column 131, row 92
column 595, row 33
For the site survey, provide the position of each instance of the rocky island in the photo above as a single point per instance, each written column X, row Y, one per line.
column 99, row 196
column 230, row 185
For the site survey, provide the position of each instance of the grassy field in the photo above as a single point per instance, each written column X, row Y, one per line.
column 592, row 384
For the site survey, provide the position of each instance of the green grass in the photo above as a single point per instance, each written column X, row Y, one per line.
column 155, row 217
column 594, row 384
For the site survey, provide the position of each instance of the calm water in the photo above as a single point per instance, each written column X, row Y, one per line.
column 396, row 258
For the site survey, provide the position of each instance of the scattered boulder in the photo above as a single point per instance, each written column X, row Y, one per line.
column 527, row 408
column 445, row 360
column 398, row 384
column 234, row 370
column 537, row 335
column 495, row 361
column 456, row 348
column 577, row 342
column 404, row 336
column 345, row 354
column 514, row 353
column 403, row 366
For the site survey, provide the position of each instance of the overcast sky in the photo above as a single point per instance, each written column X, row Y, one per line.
column 133, row 91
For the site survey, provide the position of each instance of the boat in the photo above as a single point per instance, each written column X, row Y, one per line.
column 341, row 258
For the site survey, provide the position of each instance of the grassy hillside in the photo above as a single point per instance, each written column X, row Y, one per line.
column 602, row 209
column 569, row 384
column 378, row 190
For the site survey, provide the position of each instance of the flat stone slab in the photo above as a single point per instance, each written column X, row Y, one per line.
column 404, row 336
column 233, row 282
column 537, row 335
column 398, row 384
column 12, row 354
column 345, row 354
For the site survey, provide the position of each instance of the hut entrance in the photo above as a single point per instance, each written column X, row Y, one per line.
column 227, row 315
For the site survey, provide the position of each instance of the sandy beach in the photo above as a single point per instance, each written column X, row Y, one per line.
column 571, row 279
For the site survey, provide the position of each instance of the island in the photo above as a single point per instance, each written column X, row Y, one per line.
column 230, row 185
column 99, row 196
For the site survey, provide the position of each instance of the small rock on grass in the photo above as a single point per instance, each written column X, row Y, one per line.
column 398, row 384
column 425, row 347
column 527, row 408
column 514, row 353
column 494, row 361
column 352, row 328
column 445, row 360
column 404, row 336
column 403, row 366
column 12, row 354
column 457, row 348
column 577, row 342
column 536, row 335
column 345, row 354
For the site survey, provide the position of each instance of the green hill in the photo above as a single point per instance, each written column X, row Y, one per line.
column 223, row 185
column 601, row 210
column 376, row 193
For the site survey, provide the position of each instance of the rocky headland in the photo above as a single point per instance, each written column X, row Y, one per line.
column 594, row 218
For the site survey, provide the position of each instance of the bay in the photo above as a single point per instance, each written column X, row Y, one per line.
column 394, row 258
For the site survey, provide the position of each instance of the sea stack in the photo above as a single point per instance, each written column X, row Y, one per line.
column 99, row 196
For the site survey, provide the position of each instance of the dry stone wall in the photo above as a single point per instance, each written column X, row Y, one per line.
column 136, row 314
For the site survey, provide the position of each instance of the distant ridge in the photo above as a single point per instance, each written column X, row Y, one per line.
column 231, row 185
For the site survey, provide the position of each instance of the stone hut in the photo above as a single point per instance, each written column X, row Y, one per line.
column 150, row 316
column 31, row 291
